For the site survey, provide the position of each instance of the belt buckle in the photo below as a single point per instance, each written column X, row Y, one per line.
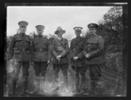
column 40, row 49
column 23, row 50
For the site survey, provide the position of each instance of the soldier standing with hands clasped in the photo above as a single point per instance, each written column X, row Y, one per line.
column 59, row 50
column 76, row 57
column 20, row 49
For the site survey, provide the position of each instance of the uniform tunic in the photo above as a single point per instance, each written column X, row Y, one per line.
column 59, row 47
column 20, row 47
column 40, row 48
column 40, row 54
column 75, row 50
column 94, row 45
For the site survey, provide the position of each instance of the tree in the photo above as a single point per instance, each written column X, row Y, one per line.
column 111, row 28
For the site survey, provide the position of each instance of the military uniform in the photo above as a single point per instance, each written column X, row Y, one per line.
column 20, row 49
column 94, row 45
column 76, row 48
column 59, row 47
column 40, row 54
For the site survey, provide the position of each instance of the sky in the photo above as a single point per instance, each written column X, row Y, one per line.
column 53, row 16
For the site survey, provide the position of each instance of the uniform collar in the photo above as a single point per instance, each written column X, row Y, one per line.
column 22, row 34
column 59, row 38
column 78, row 37
column 91, row 35
column 40, row 36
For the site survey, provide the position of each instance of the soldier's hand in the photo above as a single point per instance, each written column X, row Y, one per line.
column 58, row 59
column 87, row 55
column 75, row 58
column 48, row 61
column 59, row 56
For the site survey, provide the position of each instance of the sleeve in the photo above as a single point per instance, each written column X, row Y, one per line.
column 71, row 45
column 66, row 48
column 31, row 46
column 100, row 47
column 49, row 49
column 72, row 50
column 81, row 47
column 52, row 46
column 11, row 46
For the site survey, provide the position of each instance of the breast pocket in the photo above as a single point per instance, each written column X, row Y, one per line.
column 17, row 51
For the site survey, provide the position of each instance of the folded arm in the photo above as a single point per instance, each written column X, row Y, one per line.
column 98, row 50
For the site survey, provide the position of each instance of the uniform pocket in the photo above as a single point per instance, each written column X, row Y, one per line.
column 16, row 51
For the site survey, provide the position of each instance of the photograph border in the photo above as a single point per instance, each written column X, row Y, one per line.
column 4, row 22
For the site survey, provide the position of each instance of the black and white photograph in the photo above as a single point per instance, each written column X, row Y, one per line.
column 66, row 51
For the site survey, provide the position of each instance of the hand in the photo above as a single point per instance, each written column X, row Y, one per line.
column 75, row 58
column 48, row 61
column 87, row 55
column 58, row 57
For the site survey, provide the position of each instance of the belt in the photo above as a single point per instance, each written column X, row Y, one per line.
column 23, row 49
column 41, row 49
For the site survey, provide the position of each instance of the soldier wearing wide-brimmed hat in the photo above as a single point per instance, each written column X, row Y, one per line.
column 20, row 49
column 93, row 47
column 59, row 51
column 40, row 51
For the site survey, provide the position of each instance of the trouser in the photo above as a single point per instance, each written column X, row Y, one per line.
column 95, row 74
column 63, row 67
column 40, row 68
column 80, row 71
column 13, row 82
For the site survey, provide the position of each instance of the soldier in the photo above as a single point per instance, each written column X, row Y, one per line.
column 93, row 47
column 59, row 50
column 40, row 51
column 20, row 49
column 76, row 58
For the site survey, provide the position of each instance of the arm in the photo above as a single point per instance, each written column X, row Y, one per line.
column 31, row 48
column 72, row 50
column 81, row 47
column 66, row 49
column 100, row 47
column 52, row 47
column 49, row 50
column 11, row 46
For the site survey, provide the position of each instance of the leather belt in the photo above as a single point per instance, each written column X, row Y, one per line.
column 41, row 50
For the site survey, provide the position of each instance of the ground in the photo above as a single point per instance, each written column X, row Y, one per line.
column 112, row 82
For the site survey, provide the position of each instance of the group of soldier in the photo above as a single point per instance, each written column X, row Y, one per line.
column 84, row 53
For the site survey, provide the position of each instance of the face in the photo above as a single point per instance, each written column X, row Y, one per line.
column 77, row 33
column 22, row 29
column 92, row 30
column 60, row 34
column 40, row 31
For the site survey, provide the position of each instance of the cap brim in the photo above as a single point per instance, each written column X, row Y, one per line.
column 56, row 32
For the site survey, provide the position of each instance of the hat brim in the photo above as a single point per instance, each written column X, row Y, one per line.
column 22, row 23
column 39, row 27
column 62, row 31
column 92, row 25
column 77, row 28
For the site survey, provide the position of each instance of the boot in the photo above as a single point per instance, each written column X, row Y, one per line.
column 78, row 86
column 14, row 88
column 93, row 91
